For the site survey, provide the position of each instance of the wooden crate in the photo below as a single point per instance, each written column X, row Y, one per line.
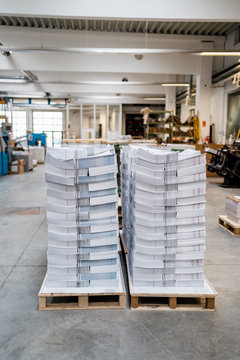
column 231, row 226
column 17, row 167
column 80, row 299
column 171, row 298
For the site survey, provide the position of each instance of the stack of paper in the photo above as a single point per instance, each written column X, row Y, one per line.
column 163, row 205
column 82, row 216
column 38, row 153
column 233, row 208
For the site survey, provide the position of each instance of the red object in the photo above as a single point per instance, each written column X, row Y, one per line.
column 204, row 123
column 207, row 140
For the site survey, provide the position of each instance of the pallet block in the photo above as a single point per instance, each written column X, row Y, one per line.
column 231, row 226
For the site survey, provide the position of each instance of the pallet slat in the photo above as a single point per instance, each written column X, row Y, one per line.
column 231, row 226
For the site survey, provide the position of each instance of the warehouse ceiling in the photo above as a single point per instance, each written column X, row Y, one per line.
column 123, row 26
column 80, row 49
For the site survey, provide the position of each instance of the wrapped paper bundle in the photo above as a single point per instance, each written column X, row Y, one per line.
column 163, row 205
column 233, row 208
column 82, row 217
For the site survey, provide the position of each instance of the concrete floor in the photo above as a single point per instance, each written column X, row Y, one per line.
column 26, row 333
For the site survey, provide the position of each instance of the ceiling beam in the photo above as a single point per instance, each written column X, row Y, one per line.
column 84, row 89
column 119, row 63
column 28, row 37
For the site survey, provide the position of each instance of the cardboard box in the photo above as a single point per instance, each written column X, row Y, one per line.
column 17, row 167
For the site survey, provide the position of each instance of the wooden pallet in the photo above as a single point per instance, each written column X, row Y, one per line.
column 231, row 226
column 79, row 299
column 188, row 299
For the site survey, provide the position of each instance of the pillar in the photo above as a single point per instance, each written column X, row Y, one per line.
column 170, row 103
column 203, row 94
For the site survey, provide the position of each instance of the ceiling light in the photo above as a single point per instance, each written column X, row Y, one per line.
column 220, row 53
column 138, row 56
column 153, row 98
column 137, row 52
column 13, row 80
column 175, row 84
column 6, row 53
column 29, row 75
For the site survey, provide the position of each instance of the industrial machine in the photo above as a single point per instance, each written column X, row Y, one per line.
column 34, row 139
column 5, row 147
column 3, row 157
column 226, row 162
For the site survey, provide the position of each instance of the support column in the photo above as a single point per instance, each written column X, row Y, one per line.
column 29, row 119
column 203, row 94
column 67, row 121
column 218, row 113
column 10, row 111
column 170, row 103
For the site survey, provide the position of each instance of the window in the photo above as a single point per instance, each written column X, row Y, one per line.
column 101, row 121
column 50, row 122
column 19, row 124
column 114, row 122
column 2, row 116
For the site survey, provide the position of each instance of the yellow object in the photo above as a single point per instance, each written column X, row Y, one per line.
column 196, row 128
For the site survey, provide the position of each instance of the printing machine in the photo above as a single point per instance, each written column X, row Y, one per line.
column 226, row 162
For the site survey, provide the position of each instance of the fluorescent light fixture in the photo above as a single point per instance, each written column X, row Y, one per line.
column 175, row 84
column 153, row 98
column 29, row 75
column 109, row 82
column 102, row 82
column 220, row 53
column 26, row 95
column 133, row 51
column 102, row 97
column 12, row 80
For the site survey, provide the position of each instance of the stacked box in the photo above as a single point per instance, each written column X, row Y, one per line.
column 82, row 217
column 163, row 205
column 233, row 208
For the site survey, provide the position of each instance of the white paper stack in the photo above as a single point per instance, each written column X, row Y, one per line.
column 82, row 217
column 163, row 205
column 38, row 153
column 233, row 208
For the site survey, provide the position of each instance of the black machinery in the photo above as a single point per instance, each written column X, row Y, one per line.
column 226, row 162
